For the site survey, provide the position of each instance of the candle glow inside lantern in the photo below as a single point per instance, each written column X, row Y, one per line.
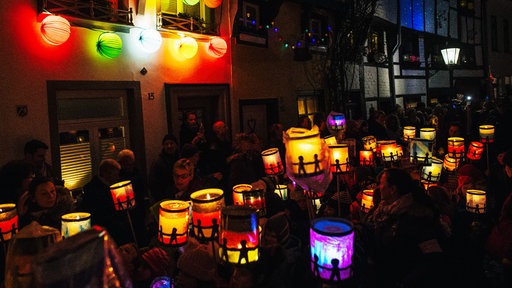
column 335, row 121
column 332, row 245
column 486, row 133
column 122, row 195
column 475, row 201
column 206, row 207
column 8, row 221
column 366, row 158
column 386, row 145
column 450, row 164
column 239, row 235
column 388, row 150
column 330, row 140
column 238, row 193
column 340, row 160
column 367, row 200
column 409, row 132
column 255, row 199
column 456, row 147
column 421, row 151
column 428, row 133
column 272, row 161
column 74, row 223
column 432, row 173
column 369, row 143
column 475, row 150
column 304, row 151
column 173, row 222
column 282, row 191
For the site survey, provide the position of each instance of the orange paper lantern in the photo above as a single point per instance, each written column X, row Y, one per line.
column 212, row 3
column 55, row 30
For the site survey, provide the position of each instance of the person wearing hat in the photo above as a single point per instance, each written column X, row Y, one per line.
column 160, row 180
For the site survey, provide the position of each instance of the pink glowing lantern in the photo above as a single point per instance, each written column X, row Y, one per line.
column 206, row 206
column 486, row 133
column 456, row 147
column 173, row 222
column 476, row 201
column 332, row 246
column 238, row 193
column 272, row 161
column 217, row 47
column 335, row 122
column 8, row 221
column 239, row 235
column 122, row 195
column 366, row 158
column 55, row 30
column 475, row 150
column 340, row 160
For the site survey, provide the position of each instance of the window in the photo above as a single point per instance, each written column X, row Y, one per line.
column 409, row 50
column 506, row 36
column 100, row 10
column 198, row 18
column 309, row 102
column 413, row 14
column 376, row 49
column 249, row 28
column 494, row 33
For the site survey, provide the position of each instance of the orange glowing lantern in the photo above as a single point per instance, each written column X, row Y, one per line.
column 428, row 133
column 450, row 164
column 217, row 47
column 388, row 146
column 8, row 221
column 369, row 143
column 476, row 201
column 238, row 193
column 206, row 206
column 304, row 152
column 272, row 161
column 340, row 160
column 409, row 132
column 173, row 222
column 239, row 235
column 367, row 200
column 330, row 140
column 366, row 158
column 475, row 150
column 456, row 147
column 122, row 195
column 55, row 30
column 212, row 3
column 486, row 133
column 187, row 47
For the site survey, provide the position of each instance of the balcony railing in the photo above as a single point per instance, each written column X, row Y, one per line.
column 100, row 10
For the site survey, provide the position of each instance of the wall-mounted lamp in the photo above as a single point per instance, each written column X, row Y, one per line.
column 450, row 55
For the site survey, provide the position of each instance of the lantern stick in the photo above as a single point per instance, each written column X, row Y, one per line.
column 131, row 228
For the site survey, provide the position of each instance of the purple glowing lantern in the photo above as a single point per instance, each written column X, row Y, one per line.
column 335, row 122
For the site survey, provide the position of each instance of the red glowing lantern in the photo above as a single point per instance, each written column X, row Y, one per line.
column 366, row 158
column 456, row 147
column 475, row 150
column 122, row 195
column 8, row 221
column 55, row 29
column 217, row 47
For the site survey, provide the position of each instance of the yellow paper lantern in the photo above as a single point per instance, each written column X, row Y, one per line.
column 409, row 132
column 475, row 201
column 238, row 193
column 55, row 29
column 367, row 200
column 187, row 47
column 369, row 143
column 432, row 173
column 173, row 222
column 212, row 3
column 450, row 164
column 206, row 206
column 217, row 47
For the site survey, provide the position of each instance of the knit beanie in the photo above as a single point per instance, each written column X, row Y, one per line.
column 157, row 260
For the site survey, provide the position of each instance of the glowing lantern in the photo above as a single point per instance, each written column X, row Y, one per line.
column 335, row 122
column 366, row 158
column 340, row 161
column 282, row 191
column 332, row 247
column 450, row 55
column 330, row 140
column 8, row 221
column 206, row 206
column 409, row 132
column 475, row 150
column 432, row 173
column 456, row 147
column 151, row 40
column 212, row 3
column 238, row 193
column 191, row 2
column 304, row 152
column 255, row 199
column 173, row 222
column 367, row 200
column 428, row 133
column 74, row 223
column 475, row 201
column 272, row 161
column 386, row 145
column 187, row 47
column 122, row 195
column 421, row 151
column 486, row 133
column 239, row 235
column 450, row 164
column 369, row 143
column 55, row 29
column 217, row 47
column 109, row 45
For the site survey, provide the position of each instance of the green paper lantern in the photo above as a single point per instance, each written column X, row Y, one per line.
column 109, row 45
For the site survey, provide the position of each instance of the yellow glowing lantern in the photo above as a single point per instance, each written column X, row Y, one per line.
column 212, row 3
column 432, row 173
column 428, row 133
column 272, row 161
column 475, row 150
column 187, row 47
column 450, row 164
column 55, row 29
column 74, row 223
column 8, row 221
column 409, row 132
column 239, row 235
column 387, row 145
column 366, row 158
column 486, row 133
column 217, row 47
column 206, row 206
column 238, row 193
column 282, row 191
column 173, row 222
column 330, row 140
column 304, row 151
column 340, row 161
column 456, row 147
column 123, row 195
column 476, row 201
column 369, row 143
column 367, row 200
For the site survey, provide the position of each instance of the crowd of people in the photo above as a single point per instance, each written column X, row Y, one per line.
column 413, row 236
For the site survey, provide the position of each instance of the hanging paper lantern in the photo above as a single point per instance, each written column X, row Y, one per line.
column 55, row 29
column 187, row 47
column 212, row 3
column 151, row 40
column 109, row 45
column 191, row 2
column 217, row 47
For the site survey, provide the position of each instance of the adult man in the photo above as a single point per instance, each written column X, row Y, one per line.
column 160, row 180
column 191, row 131
column 35, row 153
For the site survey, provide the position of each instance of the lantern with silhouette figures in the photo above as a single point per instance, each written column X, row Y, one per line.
column 238, row 193
column 450, row 164
column 282, row 191
column 386, row 144
column 476, row 201
column 369, row 143
column 239, row 235
column 409, row 133
column 256, row 199
column 330, row 140
column 173, row 222
column 206, row 206
column 475, row 150
column 367, row 200
column 456, row 147
column 332, row 246
column 430, row 175
column 366, row 158
column 8, row 221
column 124, row 200
column 340, row 160
column 428, row 133
column 389, row 151
column 272, row 162
column 74, row 223
column 421, row 151
column 486, row 133
column 335, row 122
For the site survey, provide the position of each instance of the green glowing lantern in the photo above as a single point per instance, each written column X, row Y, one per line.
column 109, row 45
